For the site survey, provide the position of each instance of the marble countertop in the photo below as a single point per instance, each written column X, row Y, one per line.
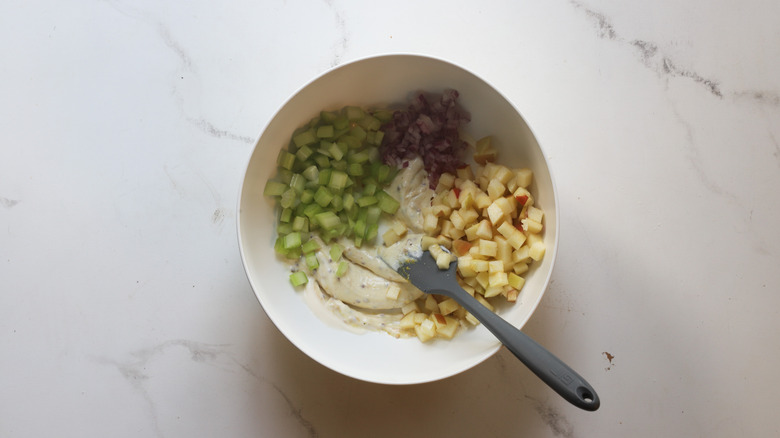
column 126, row 127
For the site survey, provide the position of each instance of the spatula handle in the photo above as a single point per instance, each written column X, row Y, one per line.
column 553, row 371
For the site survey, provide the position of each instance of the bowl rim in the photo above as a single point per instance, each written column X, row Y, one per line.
column 546, row 281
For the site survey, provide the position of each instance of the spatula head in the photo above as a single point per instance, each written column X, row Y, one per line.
column 425, row 274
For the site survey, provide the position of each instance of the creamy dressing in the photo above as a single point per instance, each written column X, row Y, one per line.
column 357, row 301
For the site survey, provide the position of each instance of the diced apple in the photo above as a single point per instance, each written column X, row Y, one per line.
column 440, row 210
column 393, row 291
column 524, row 177
column 521, row 255
column 465, row 268
column 461, row 247
column 515, row 281
column 390, row 237
column 430, row 224
column 425, row 331
column 483, row 278
column 531, row 226
column 427, row 241
column 409, row 308
column 399, row 228
column 498, row 279
column 537, row 251
column 495, row 189
column 485, row 302
column 431, row 305
column 457, row 220
column 488, row 248
column 512, row 294
column 485, row 230
column 465, row 172
column 447, row 331
column 407, row 322
column 446, row 181
column 495, row 266
column 495, row 213
column 503, row 174
column 482, row 200
column 535, row 214
column 520, row 268
column 471, row 232
column 443, row 260
column 451, row 200
column 480, row 265
column 493, row 291
column 448, row 306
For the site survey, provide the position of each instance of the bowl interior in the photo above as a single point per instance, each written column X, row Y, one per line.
column 375, row 82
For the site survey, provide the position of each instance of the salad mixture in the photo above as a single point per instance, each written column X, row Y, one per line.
column 361, row 190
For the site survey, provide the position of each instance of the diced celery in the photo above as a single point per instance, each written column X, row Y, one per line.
column 286, row 160
column 383, row 173
column 369, row 188
column 301, row 224
column 284, row 175
column 339, row 165
column 351, row 141
column 378, row 137
column 373, row 214
column 337, row 203
column 274, row 188
column 355, row 169
column 335, row 252
column 358, row 132
column 358, row 157
column 311, row 261
column 298, row 183
column 328, row 116
column 307, row 196
column 373, row 153
column 366, row 200
column 304, row 138
column 360, row 228
column 304, row 153
column 279, row 246
column 312, row 210
column 286, row 215
column 341, row 122
column 293, row 254
column 284, row 229
column 327, row 219
column 288, row 198
column 325, row 176
column 322, row 161
column 387, row 203
column 383, row 116
column 298, row 278
column 338, row 180
column 349, row 201
column 370, row 123
column 310, row 245
column 342, row 268
column 353, row 113
column 325, row 131
column 292, row 240
column 311, row 173
column 371, row 137
column 323, row 196
column 373, row 230
column 335, row 151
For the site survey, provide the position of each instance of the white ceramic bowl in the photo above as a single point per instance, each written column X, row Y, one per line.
column 376, row 81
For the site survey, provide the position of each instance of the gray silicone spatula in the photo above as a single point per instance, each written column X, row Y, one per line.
column 426, row 276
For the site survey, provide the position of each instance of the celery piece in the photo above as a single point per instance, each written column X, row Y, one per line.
column 311, row 173
column 284, row 175
column 322, row 161
column 354, row 113
column 387, row 203
column 371, row 137
column 342, row 268
column 286, row 215
column 307, row 196
column 383, row 116
column 328, row 116
column 338, row 180
column 340, row 132
column 293, row 254
column 355, row 169
column 357, row 157
column 298, row 278
column 312, row 210
column 378, row 137
column 339, row 165
column 341, row 122
column 335, row 151
column 325, row 176
column 323, row 149
column 311, row 261
column 360, row 228
column 372, row 215
column 337, row 203
column 358, row 132
column 301, row 224
column 284, row 229
column 286, row 160
column 292, row 240
column 348, row 201
column 288, row 198
column 279, row 246
column 298, row 183
column 369, row 187
column 383, row 173
column 373, row 230
column 335, row 252
column 373, row 153
column 351, row 141
column 309, row 246
column 366, row 201
column 304, row 138
column 327, row 219
column 304, row 153
column 325, row 131
column 274, row 188
column 370, row 123
column 323, row 196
